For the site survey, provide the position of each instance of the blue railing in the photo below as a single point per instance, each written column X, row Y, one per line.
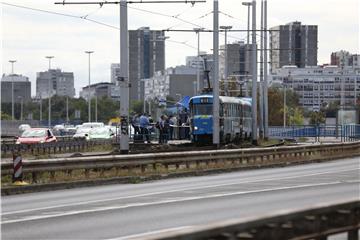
column 349, row 132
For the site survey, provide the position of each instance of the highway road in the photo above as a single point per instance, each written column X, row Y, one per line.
column 134, row 210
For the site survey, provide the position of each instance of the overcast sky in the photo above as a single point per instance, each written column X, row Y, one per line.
column 28, row 36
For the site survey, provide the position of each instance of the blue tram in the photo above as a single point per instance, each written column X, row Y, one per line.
column 235, row 118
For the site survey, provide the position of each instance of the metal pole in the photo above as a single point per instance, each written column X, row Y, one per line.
column 124, row 79
column 284, row 88
column 197, row 67
column 49, row 92
column 266, row 103
column 21, row 107
column 254, row 75
column 226, row 87
column 12, row 89
column 40, row 108
column 216, row 103
column 96, row 107
column 89, row 95
column 261, row 93
column 67, row 109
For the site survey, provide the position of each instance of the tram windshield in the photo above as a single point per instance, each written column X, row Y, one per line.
column 202, row 109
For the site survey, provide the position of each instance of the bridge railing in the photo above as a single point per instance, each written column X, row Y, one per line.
column 316, row 222
column 154, row 163
column 349, row 132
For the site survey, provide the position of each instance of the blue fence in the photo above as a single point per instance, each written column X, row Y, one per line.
column 344, row 132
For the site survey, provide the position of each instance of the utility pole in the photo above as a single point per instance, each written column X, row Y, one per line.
column 49, row 91
column 266, row 101
column 226, row 86
column 247, row 54
column 89, row 95
column 216, row 101
column 40, row 117
column 12, row 89
column 124, row 62
column 254, row 75
column 67, row 109
column 261, row 93
column 197, row 31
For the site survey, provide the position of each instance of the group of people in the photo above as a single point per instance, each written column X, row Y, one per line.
column 143, row 126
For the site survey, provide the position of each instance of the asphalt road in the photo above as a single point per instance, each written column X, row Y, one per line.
column 134, row 210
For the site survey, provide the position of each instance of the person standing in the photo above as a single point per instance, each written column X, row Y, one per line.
column 144, row 125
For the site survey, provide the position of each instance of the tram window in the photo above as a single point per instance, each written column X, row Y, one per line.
column 202, row 109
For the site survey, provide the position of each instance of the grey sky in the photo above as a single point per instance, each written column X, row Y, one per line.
column 28, row 36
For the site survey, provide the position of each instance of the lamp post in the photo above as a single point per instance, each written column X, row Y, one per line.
column 197, row 31
column 226, row 28
column 49, row 91
column 247, row 64
column 22, row 107
column 12, row 89
column 89, row 96
column 254, row 75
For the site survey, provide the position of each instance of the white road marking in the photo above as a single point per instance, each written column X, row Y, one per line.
column 69, row 213
column 172, row 191
column 129, row 237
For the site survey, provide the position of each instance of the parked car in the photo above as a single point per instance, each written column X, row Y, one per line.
column 100, row 133
column 82, row 133
column 36, row 135
column 92, row 124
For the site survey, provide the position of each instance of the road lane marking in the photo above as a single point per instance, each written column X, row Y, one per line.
column 101, row 209
column 171, row 191
column 129, row 237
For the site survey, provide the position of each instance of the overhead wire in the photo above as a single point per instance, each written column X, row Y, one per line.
column 84, row 17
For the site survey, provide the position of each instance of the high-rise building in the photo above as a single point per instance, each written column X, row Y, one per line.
column 293, row 44
column 55, row 82
column 146, row 56
column 22, row 88
column 238, row 59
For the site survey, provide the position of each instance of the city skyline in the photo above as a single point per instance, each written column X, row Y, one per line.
column 36, row 34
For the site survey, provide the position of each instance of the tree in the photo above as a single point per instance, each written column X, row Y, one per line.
column 294, row 114
column 317, row 118
column 5, row 116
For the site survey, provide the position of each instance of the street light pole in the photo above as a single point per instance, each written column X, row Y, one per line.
column 12, row 89
column 216, row 101
column 254, row 75
column 89, row 96
column 266, row 103
column 247, row 54
column 49, row 91
column 226, row 28
column 21, row 107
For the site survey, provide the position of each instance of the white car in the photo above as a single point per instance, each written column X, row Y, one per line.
column 82, row 133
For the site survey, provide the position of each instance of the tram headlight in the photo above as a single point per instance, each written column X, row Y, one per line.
column 196, row 128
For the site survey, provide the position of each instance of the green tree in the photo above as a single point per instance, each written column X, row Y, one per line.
column 317, row 118
column 5, row 116
column 137, row 106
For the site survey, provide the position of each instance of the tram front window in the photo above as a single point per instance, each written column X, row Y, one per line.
column 203, row 109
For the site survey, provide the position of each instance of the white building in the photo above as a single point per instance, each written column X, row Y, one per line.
column 320, row 85
column 102, row 89
column 115, row 72
column 174, row 82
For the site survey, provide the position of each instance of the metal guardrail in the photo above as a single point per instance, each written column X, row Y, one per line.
column 349, row 132
column 316, row 222
column 63, row 146
column 112, row 165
